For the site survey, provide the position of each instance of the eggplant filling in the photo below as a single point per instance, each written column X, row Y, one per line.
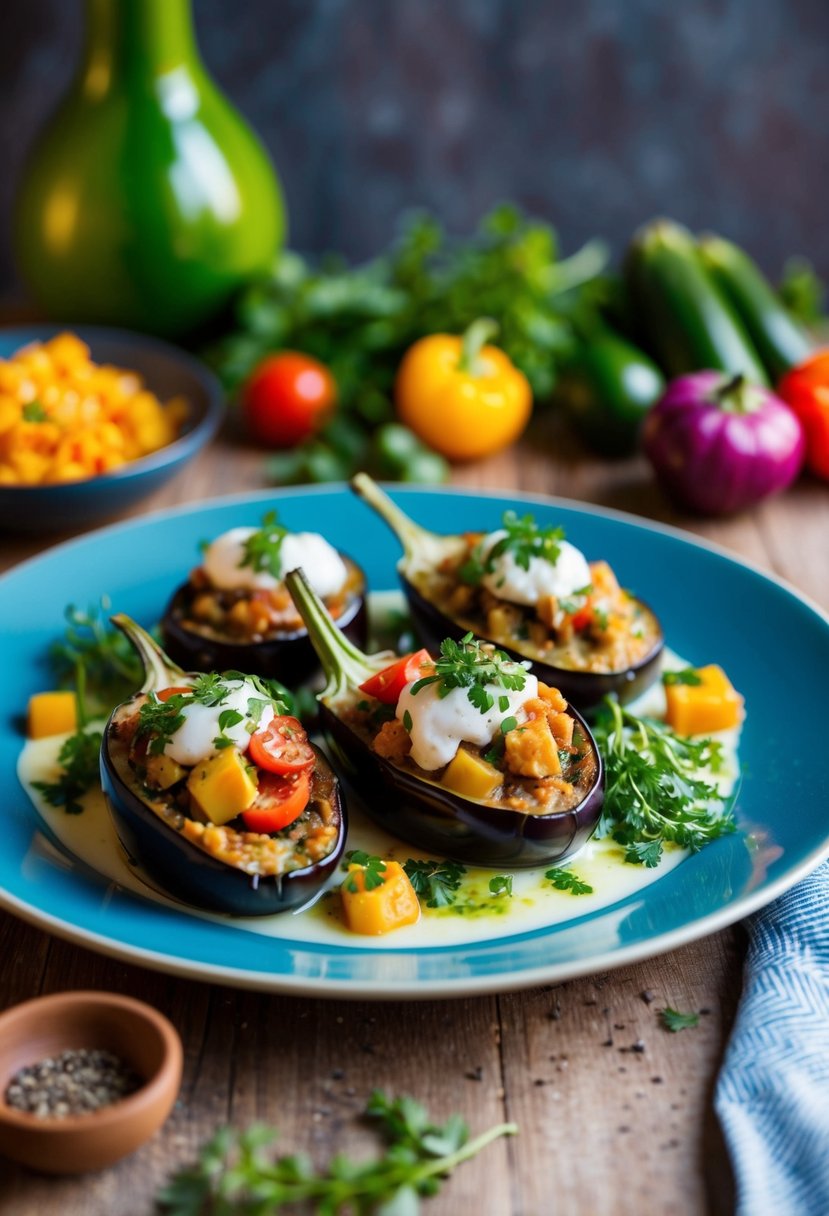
column 477, row 724
column 258, row 820
column 237, row 593
column 595, row 627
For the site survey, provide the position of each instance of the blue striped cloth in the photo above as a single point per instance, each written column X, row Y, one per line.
column 772, row 1094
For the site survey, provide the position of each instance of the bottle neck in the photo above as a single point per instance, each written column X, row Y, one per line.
column 136, row 40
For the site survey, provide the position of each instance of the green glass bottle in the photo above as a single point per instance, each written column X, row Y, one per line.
column 148, row 200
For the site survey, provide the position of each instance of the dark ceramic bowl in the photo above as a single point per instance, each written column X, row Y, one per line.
column 167, row 372
column 132, row 1030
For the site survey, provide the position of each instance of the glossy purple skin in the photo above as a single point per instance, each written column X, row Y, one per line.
column 188, row 873
column 582, row 689
column 716, row 461
column 440, row 821
column 289, row 658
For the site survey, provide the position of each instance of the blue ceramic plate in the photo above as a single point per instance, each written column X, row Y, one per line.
column 774, row 645
column 168, row 372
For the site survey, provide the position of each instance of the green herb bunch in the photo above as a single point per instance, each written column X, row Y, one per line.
column 361, row 320
column 236, row 1175
column 653, row 793
column 523, row 538
column 159, row 720
column 435, row 882
column 263, row 548
column 476, row 667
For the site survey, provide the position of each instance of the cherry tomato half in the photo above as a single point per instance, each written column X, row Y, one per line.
column 287, row 397
column 166, row 693
column 387, row 685
column 282, row 747
column 279, row 802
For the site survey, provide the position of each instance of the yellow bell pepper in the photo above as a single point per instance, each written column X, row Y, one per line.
column 462, row 398
column 698, row 709
column 385, row 907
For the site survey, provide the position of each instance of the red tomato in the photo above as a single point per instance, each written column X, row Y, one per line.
column 388, row 684
column 279, row 802
column 805, row 389
column 287, row 397
column 584, row 617
column 166, row 693
column 282, row 747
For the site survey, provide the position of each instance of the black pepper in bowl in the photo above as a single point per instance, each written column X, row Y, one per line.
column 76, row 1082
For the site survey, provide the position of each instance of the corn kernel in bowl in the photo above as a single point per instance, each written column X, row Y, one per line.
column 65, row 418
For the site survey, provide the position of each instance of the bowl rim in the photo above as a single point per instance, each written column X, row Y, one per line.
column 184, row 445
column 153, row 1090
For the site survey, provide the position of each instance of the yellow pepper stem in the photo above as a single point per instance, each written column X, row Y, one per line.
column 474, row 339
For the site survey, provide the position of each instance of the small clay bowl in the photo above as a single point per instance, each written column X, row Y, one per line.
column 135, row 1032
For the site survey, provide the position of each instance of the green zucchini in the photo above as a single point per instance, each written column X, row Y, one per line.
column 780, row 341
column 689, row 323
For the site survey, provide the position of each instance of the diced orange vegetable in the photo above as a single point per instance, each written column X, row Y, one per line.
column 382, row 909
column 52, row 713
column 65, row 418
column 530, row 750
column 698, row 709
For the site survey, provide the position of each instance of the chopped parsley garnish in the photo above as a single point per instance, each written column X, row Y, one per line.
column 473, row 665
column 524, row 539
column 236, row 1172
column 33, row 411
column 373, row 870
column 573, row 603
column 407, row 721
column 161, row 719
column 501, row 884
column 80, row 761
column 566, row 880
column 436, row 882
column 227, row 719
column 263, row 548
column 686, row 676
column 653, row 791
column 674, row 1021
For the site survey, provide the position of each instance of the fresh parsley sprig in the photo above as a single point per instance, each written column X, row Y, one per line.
column 79, row 760
column 686, row 676
column 523, row 538
column 263, row 548
column 675, row 1021
column 653, row 791
column 95, row 659
column 473, row 665
column 373, row 870
column 435, row 882
column 235, row 1175
column 566, row 880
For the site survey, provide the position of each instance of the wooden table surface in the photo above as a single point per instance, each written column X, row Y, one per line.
column 604, row 1130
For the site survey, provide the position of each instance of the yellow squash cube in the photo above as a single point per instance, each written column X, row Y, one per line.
column 383, row 908
column 52, row 713
column 472, row 777
column 222, row 786
column 699, row 709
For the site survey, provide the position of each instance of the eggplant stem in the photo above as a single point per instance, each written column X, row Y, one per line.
column 159, row 670
column 419, row 544
column 344, row 665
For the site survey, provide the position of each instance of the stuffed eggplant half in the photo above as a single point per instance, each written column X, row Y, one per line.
column 235, row 613
column 529, row 591
column 216, row 792
column 466, row 753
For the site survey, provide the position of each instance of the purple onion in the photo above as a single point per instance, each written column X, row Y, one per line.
column 719, row 444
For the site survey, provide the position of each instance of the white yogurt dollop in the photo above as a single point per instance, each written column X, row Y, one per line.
column 440, row 724
column 194, row 739
column 509, row 581
column 323, row 566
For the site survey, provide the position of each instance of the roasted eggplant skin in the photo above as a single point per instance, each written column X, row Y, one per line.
column 585, row 689
column 186, row 872
column 289, row 658
column 437, row 820
column 423, row 812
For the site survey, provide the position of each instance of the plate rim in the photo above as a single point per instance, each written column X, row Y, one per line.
column 427, row 989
